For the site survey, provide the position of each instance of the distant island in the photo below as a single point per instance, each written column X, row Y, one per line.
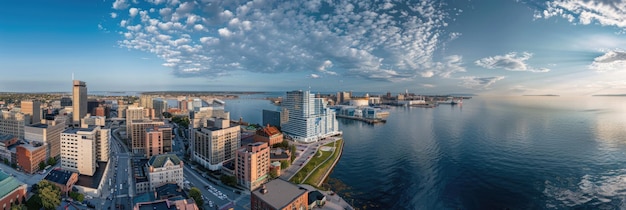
column 620, row 95
column 543, row 95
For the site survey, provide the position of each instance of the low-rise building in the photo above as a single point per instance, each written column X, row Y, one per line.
column 164, row 169
column 11, row 191
column 65, row 180
column 165, row 204
column 279, row 194
column 30, row 155
column 268, row 134
column 142, row 183
column 6, row 141
column 48, row 132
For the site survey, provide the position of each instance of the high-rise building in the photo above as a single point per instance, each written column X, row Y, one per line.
column 48, row 132
column 343, row 97
column 164, row 169
column 79, row 101
column 12, row 122
column 271, row 118
column 32, row 108
column 308, row 118
column 252, row 165
column 66, row 101
column 92, row 104
column 145, row 101
column 160, row 106
column 82, row 147
column 166, row 134
column 201, row 117
column 30, row 155
column 213, row 146
column 138, row 134
column 132, row 113
column 154, row 142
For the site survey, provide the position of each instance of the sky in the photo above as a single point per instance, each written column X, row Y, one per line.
column 489, row 47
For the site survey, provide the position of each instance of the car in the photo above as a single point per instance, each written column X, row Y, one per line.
column 300, row 164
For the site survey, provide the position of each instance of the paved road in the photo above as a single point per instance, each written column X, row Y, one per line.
column 305, row 152
column 242, row 200
column 120, row 179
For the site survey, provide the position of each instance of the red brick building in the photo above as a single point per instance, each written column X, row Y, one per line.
column 279, row 194
column 63, row 179
column 11, row 191
column 269, row 134
column 30, row 155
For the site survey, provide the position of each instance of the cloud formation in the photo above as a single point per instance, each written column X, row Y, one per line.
column 610, row 61
column 606, row 13
column 388, row 41
column 479, row 82
column 510, row 61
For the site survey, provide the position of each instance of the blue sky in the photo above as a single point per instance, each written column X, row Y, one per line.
column 568, row 47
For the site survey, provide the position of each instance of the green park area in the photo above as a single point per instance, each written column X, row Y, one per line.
column 319, row 165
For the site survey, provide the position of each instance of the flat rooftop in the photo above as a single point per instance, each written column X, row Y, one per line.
column 39, row 125
column 139, row 170
column 279, row 193
column 92, row 181
column 59, row 176
column 6, row 137
column 75, row 130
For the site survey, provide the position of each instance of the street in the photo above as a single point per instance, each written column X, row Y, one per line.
column 305, row 151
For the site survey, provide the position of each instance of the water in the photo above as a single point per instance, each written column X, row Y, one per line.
column 489, row 153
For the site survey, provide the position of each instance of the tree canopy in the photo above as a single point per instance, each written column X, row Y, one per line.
column 194, row 193
column 49, row 194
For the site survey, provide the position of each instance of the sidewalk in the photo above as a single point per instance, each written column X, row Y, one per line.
column 333, row 202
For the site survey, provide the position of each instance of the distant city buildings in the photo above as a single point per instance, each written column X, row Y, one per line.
column 79, row 101
column 252, row 165
column 31, row 108
column 216, row 144
column 164, row 169
column 309, row 119
column 82, row 147
column 13, row 122
column 89, row 120
column 48, row 132
column 160, row 106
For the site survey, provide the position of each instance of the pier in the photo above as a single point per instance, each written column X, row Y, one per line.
column 367, row 120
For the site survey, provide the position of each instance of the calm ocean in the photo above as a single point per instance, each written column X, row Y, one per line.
column 489, row 153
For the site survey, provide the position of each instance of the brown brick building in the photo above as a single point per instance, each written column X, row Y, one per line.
column 279, row 195
column 268, row 134
column 30, row 155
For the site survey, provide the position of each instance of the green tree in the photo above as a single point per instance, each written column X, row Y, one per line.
column 292, row 149
column 42, row 165
column 284, row 164
column 52, row 161
column 13, row 165
column 196, row 195
column 273, row 174
column 18, row 207
column 49, row 194
column 77, row 196
column 229, row 180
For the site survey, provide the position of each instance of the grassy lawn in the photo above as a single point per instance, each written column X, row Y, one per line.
column 315, row 161
column 319, row 173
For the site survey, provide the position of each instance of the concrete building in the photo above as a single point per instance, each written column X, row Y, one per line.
column 30, row 155
column 253, row 163
column 132, row 113
column 160, row 106
column 48, row 132
column 11, row 191
column 213, row 146
column 32, row 108
column 268, row 134
column 79, row 101
column 6, row 141
column 271, row 118
column 89, row 120
column 138, row 134
column 164, row 169
column 82, row 147
column 100, row 111
column 65, row 180
column 279, row 194
column 343, row 97
column 13, row 122
column 146, row 101
column 309, row 119
column 201, row 117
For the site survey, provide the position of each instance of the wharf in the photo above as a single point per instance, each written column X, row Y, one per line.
column 367, row 120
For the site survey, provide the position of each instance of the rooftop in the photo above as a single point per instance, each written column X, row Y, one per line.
column 268, row 131
column 139, row 170
column 59, row 176
column 39, row 125
column 6, row 137
column 31, row 147
column 75, row 130
column 158, row 161
column 279, row 193
column 170, row 191
column 315, row 196
column 8, row 183
column 168, row 205
column 92, row 181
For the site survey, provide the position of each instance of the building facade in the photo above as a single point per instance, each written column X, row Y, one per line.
column 79, row 101
column 82, row 147
column 268, row 134
column 160, row 106
column 132, row 113
column 138, row 134
column 215, row 145
column 11, row 191
column 271, row 118
column 154, row 142
column 30, row 155
column 164, row 169
column 31, row 108
column 49, row 133
column 6, row 141
column 309, row 119
column 252, row 165
column 12, row 122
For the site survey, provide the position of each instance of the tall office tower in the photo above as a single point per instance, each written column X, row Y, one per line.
column 82, row 147
column 271, row 118
column 343, row 97
column 48, row 132
column 32, row 108
column 145, row 101
column 199, row 118
column 160, row 106
column 252, row 165
column 13, row 122
column 138, row 134
column 213, row 146
column 79, row 101
column 91, row 105
column 132, row 113
column 166, row 134
column 309, row 119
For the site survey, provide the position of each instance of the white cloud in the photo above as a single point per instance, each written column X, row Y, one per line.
column 372, row 40
column 479, row 82
column 510, row 61
column 606, row 13
column 120, row 4
column 133, row 11
column 113, row 15
column 314, row 76
column 610, row 61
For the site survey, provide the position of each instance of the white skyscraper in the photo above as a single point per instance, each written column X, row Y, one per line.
column 307, row 118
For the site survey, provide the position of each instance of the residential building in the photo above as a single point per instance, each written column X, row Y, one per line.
column 160, row 106
column 146, row 101
column 164, row 169
column 268, row 134
column 253, row 163
column 13, row 122
column 6, row 141
column 309, row 119
column 138, row 134
column 30, row 155
column 165, row 204
column 213, row 146
column 48, row 132
column 33, row 109
column 82, row 147
column 12, row 191
column 154, row 142
column 271, row 118
column 132, row 113
column 79, row 101
column 279, row 194
column 201, row 117
column 65, row 180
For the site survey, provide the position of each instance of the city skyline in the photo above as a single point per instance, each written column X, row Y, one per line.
column 569, row 47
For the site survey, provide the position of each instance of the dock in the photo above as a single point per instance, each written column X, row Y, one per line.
column 367, row 120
